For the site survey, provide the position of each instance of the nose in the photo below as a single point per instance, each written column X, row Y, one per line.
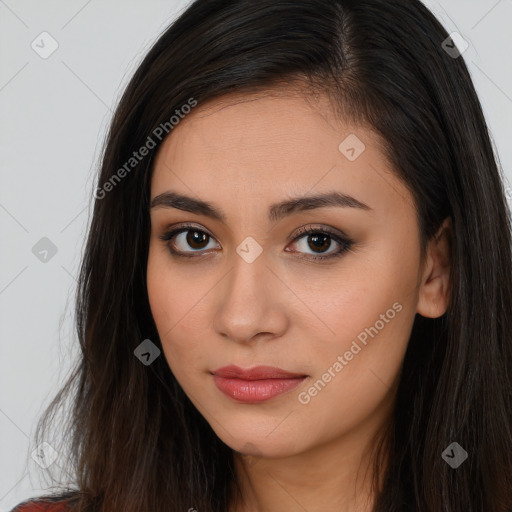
column 251, row 302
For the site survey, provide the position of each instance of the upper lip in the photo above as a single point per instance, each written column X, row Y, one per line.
column 255, row 373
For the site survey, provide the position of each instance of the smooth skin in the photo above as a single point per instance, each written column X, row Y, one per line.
column 242, row 154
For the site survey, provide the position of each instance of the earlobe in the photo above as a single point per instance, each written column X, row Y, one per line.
column 435, row 284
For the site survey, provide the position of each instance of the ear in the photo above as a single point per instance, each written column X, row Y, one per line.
column 435, row 284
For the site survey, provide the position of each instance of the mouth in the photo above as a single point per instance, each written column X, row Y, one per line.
column 257, row 384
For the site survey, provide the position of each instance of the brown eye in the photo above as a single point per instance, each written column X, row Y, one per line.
column 187, row 240
column 196, row 239
column 319, row 241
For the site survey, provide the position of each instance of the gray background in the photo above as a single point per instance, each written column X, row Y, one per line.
column 54, row 113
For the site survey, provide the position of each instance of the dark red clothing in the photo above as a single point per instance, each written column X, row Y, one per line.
column 41, row 506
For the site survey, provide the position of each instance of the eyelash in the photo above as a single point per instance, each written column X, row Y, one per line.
column 345, row 243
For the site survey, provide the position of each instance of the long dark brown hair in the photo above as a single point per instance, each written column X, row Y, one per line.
column 136, row 443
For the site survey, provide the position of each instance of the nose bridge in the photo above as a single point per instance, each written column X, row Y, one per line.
column 247, row 306
column 247, row 279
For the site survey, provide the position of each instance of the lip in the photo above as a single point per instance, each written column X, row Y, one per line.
column 255, row 373
column 257, row 384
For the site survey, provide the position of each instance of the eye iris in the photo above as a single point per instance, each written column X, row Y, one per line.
column 196, row 237
column 319, row 238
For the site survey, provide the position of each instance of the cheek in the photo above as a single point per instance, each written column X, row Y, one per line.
column 367, row 342
column 176, row 299
column 354, row 374
column 370, row 316
column 372, row 297
column 162, row 301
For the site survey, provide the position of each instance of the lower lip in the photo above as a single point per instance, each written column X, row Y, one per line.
column 253, row 391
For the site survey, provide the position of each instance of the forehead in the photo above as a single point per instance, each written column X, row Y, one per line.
column 248, row 133
column 265, row 147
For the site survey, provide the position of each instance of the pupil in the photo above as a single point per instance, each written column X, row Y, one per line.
column 194, row 241
column 316, row 239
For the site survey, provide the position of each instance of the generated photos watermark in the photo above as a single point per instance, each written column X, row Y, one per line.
column 304, row 397
column 158, row 133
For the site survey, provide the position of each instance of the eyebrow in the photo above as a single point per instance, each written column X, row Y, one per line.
column 276, row 211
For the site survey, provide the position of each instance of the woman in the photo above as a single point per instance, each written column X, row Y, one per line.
column 296, row 290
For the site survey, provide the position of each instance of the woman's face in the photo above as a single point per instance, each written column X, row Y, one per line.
column 247, row 289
